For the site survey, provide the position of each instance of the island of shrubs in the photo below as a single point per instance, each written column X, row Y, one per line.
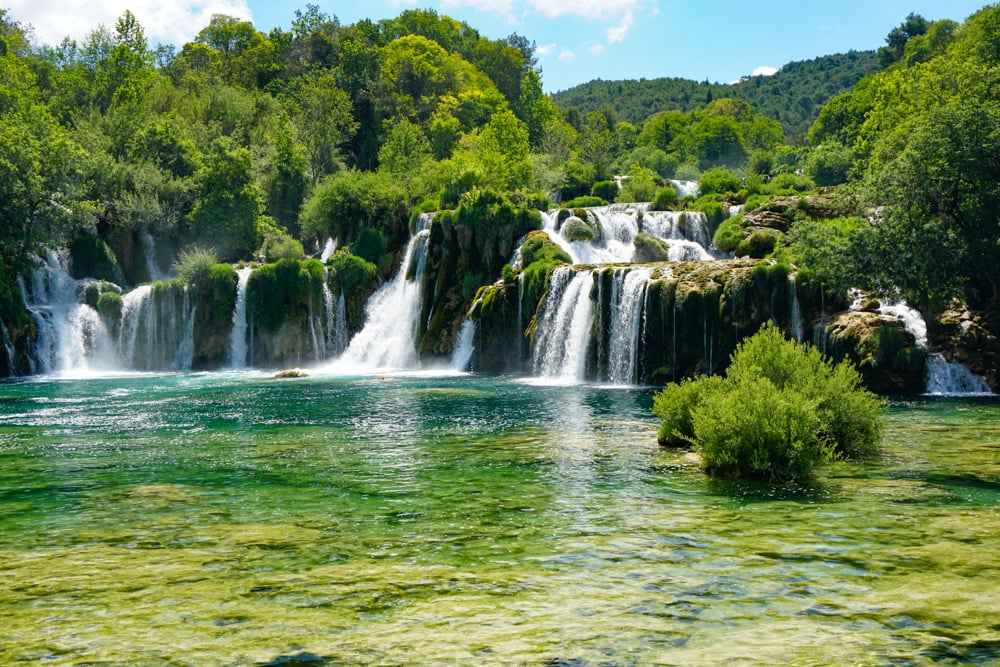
column 781, row 410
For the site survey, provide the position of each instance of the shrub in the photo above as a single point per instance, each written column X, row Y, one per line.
column 666, row 199
column 371, row 245
column 781, row 410
column 791, row 183
column 719, row 180
column 194, row 266
column 93, row 258
column 584, row 202
column 606, row 190
column 279, row 245
column 729, row 235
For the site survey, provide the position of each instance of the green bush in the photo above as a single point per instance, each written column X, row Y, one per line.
column 666, row 199
column 759, row 244
column 539, row 256
column 93, row 258
column 719, row 180
column 781, row 410
column 729, row 234
column 371, row 245
column 352, row 271
column 606, row 190
column 279, row 245
column 791, row 183
column 194, row 266
column 584, row 202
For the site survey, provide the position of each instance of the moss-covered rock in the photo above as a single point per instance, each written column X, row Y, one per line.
column 885, row 353
column 281, row 299
column 357, row 279
column 972, row 339
column 576, row 229
column 650, row 249
column 109, row 305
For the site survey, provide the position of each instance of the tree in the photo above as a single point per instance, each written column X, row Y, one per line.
column 322, row 113
column 895, row 41
column 227, row 215
column 598, row 144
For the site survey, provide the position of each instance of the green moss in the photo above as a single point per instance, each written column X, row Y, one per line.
column 540, row 256
column 650, row 249
column 109, row 305
column 93, row 258
column 282, row 292
column 585, row 202
column 576, row 229
column 760, row 243
column 666, row 199
column 729, row 234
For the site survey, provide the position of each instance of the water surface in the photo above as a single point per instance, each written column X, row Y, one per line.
column 235, row 519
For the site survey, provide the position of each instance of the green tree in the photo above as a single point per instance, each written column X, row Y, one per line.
column 598, row 144
column 322, row 112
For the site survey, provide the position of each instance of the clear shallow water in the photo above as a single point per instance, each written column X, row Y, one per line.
column 234, row 519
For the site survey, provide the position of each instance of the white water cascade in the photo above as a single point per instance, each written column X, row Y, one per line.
column 686, row 234
column 71, row 336
column 944, row 378
column 328, row 250
column 157, row 329
column 149, row 250
column 798, row 325
column 461, row 356
column 389, row 337
column 238, row 334
column 564, row 327
column 336, row 321
column 628, row 295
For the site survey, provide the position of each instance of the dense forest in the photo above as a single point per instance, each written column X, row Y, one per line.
column 246, row 146
column 794, row 95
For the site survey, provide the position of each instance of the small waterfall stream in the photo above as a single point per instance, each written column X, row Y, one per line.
column 464, row 347
column 388, row 339
column 944, row 378
column 157, row 329
column 71, row 336
column 798, row 325
column 149, row 250
column 238, row 335
column 628, row 298
column 564, row 327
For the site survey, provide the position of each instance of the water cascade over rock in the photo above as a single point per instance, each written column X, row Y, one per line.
column 238, row 335
column 156, row 330
column 564, row 327
column 389, row 337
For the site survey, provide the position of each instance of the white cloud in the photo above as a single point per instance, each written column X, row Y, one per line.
column 176, row 21
column 617, row 33
column 566, row 54
column 597, row 49
column 545, row 49
column 619, row 13
column 765, row 70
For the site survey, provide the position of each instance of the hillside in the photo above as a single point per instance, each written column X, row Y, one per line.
column 794, row 95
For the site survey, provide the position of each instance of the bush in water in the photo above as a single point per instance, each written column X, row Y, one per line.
column 781, row 410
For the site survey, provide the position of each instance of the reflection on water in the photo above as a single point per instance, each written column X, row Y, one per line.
column 235, row 519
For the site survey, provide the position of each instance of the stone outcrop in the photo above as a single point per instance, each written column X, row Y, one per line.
column 883, row 351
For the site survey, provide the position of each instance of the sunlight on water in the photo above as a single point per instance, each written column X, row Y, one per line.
column 236, row 519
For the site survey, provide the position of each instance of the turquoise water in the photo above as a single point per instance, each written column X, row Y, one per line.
column 235, row 519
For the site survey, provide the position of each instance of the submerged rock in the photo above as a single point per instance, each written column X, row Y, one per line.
column 291, row 373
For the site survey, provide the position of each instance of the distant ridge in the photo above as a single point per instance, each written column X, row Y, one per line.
column 794, row 95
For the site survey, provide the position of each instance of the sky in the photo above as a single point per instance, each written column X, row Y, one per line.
column 577, row 40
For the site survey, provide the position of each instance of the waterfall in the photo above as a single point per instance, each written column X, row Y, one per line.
column 685, row 188
column 464, row 347
column 944, row 378
column 686, row 233
column 564, row 326
column 238, row 334
column 798, row 326
column 328, row 250
column 315, row 331
column 149, row 250
column 336, row 321
column 627, row 299
column 389, row 337
column 948, row 378
column 157, row 328
column 70, row 336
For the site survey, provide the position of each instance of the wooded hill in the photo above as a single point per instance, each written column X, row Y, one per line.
column 793, row 96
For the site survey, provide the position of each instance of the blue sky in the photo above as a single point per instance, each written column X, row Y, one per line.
column 577, row 40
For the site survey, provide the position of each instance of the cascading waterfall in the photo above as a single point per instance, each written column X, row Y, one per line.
column 798, row 325
column 564, row 326
column 336, row 322
column 328, row 250
column 238, row 334
column 686, row 234
column 464, row 347
column 628, row 296
column 70, row 336
column 944, row 378
column 315, row 331
column 388, row 339
column 157, row 329
column 149, row 250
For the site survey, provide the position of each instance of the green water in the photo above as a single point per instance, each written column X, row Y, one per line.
column 235, row 519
